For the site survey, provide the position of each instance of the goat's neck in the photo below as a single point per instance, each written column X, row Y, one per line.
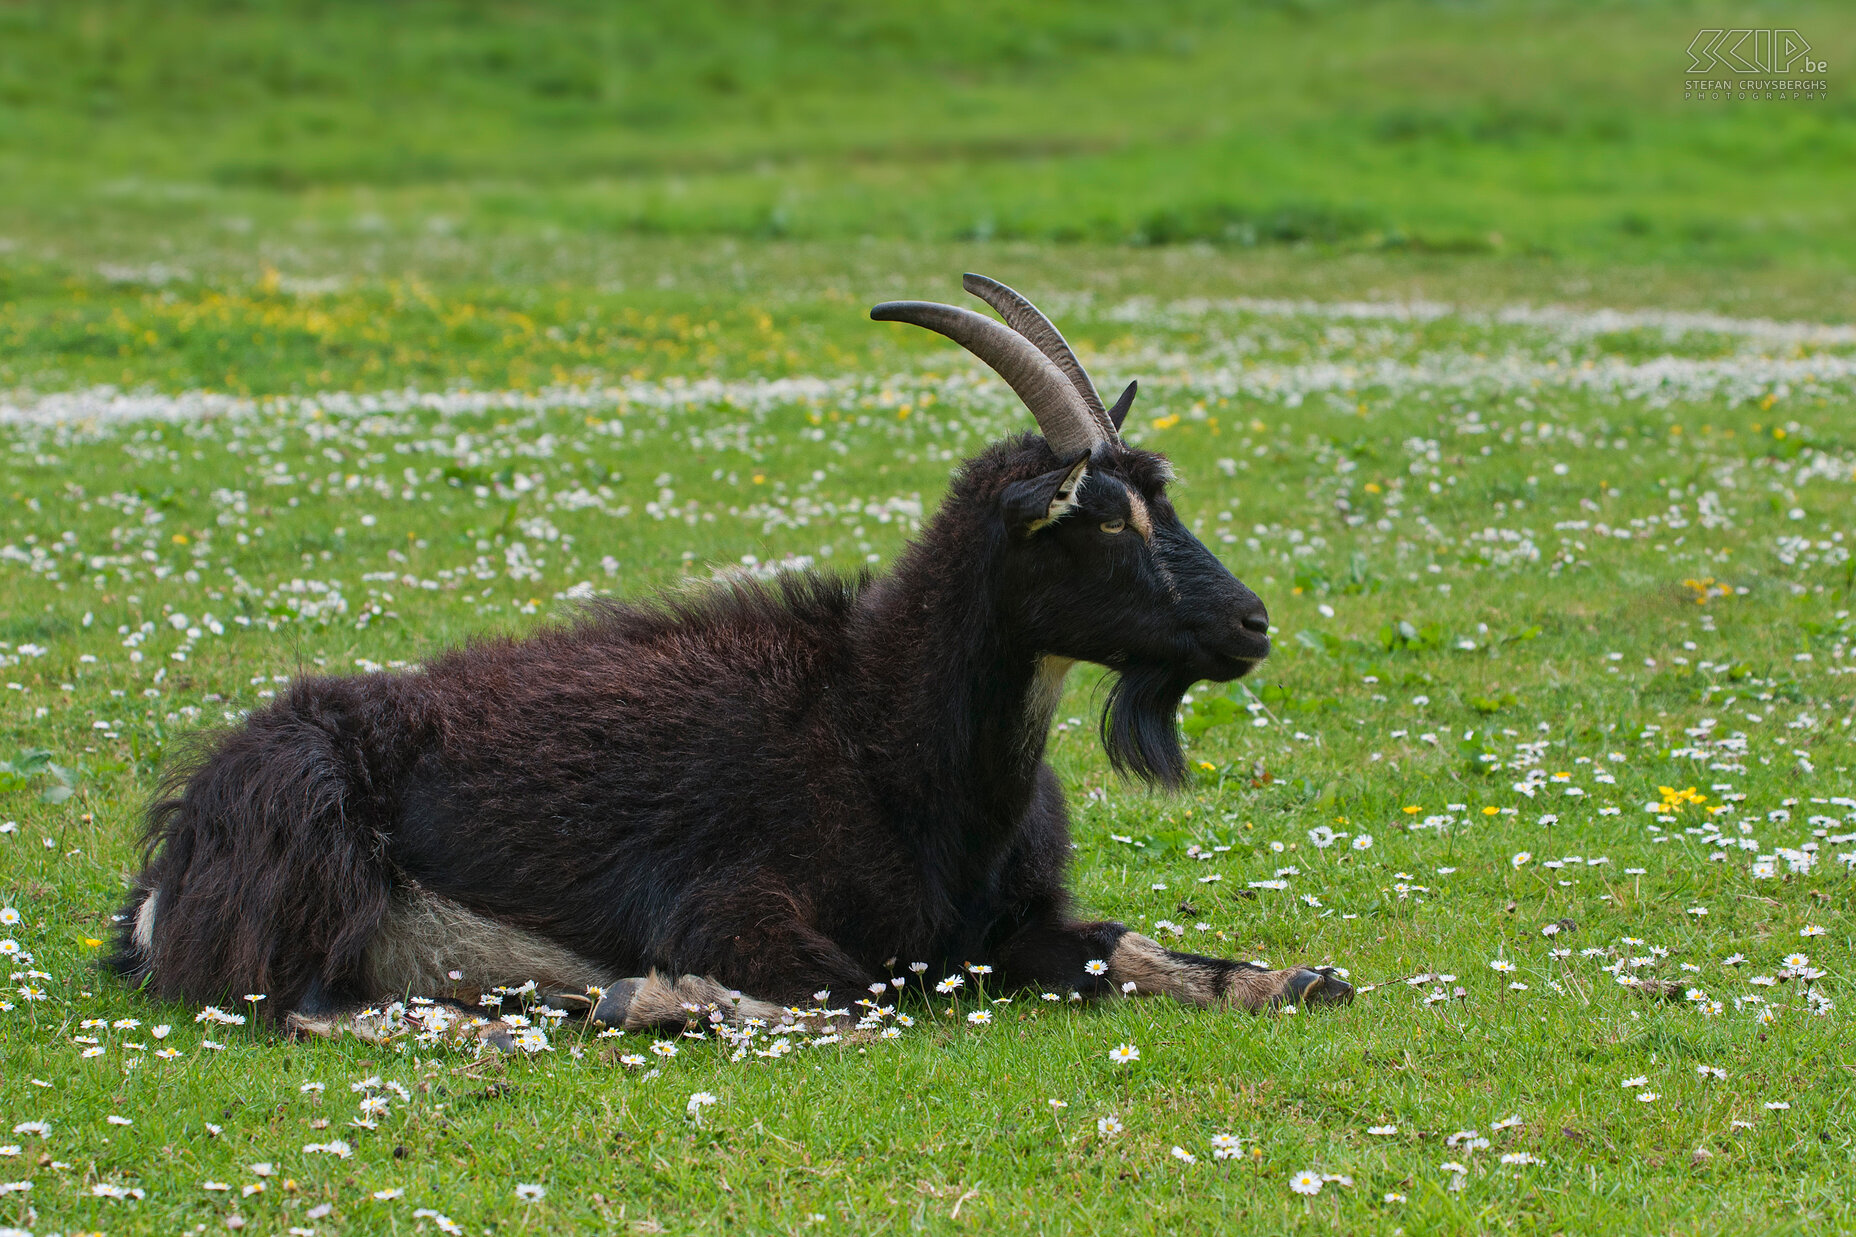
column 969, row 706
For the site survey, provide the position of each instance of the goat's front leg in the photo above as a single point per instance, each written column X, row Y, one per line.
column 1198, row 980
column 1106, row 957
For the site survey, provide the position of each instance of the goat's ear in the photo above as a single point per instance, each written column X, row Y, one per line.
column 1039, row 501
column 1119, row 412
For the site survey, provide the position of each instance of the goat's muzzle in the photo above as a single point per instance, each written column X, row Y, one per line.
column 1233, row 638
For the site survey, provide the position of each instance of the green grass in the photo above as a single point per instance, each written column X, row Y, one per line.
column 310, row 315
column 250, row 513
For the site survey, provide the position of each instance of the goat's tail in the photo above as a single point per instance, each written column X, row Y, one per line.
column 267, row 869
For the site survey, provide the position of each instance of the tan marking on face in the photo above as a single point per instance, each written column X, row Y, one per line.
column 1064, row 500
column 1139, row 517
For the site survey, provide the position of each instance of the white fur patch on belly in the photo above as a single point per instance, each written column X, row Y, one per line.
column 424, row 938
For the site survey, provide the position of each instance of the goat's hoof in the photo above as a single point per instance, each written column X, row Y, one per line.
column 1318, row 985
column 307, row 1026
column 617, row 1001
column 574, row 1002
column 366, row 1025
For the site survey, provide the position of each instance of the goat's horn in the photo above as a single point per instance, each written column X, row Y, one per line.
column 1025, row 318
column 1069, row 427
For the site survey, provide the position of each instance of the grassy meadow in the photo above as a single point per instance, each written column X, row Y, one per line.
column 1553, row 129
column 1520, row 389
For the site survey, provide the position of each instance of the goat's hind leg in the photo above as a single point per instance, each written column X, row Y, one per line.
column 781, row 957
column 660, row 1002
column 430, row 959
column 437, row 954
column 650, row 1003
column 425, row 1020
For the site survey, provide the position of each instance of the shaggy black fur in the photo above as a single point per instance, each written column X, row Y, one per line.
column 781, row 786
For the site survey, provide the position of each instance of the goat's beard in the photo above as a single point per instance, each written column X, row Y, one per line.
column 1140, row 725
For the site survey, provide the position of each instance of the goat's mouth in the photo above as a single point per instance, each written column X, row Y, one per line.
column 1233, row 666
column 1228, row 658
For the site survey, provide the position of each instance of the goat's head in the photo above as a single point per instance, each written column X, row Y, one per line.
column 1098, row 567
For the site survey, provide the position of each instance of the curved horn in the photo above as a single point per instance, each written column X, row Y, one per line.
column 1025, row 318
column 1069, row 426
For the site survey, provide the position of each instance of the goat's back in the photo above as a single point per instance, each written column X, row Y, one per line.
column 593, row 779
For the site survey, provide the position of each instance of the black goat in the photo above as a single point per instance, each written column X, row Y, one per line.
column 773, row 789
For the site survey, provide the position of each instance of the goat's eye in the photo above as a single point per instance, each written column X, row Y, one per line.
column 1113, row 526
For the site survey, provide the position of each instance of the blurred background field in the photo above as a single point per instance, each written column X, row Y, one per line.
column 685, row 155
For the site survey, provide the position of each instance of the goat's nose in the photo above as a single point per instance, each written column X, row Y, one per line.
column 1257, row 621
